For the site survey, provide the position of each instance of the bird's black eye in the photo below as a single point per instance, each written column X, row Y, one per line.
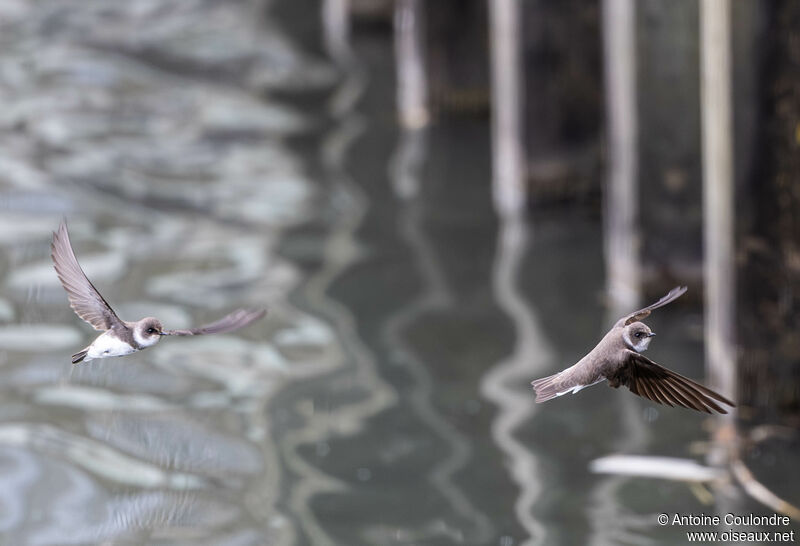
column 153, row 330
column 637, row 334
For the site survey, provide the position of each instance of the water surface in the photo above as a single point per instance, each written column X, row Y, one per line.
column 204, row 161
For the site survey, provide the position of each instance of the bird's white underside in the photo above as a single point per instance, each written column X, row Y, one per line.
column 108, row 345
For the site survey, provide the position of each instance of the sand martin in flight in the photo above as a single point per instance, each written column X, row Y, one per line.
column 120, row 337
column 618, row 359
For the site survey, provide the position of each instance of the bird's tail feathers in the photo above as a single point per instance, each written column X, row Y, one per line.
column 79, row 356
column 545, row 388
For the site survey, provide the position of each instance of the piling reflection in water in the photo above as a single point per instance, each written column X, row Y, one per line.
column 435, row 296
column 507, row 384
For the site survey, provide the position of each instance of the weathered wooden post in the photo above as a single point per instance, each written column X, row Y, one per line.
column 508, row 169
column 409, row 49
column 336, row 28
column 718, row 187
column 621, row 195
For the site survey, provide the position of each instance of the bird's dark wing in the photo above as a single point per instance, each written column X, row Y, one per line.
column 233, row 321
column 650, row 380
column 673, row 294
column 84, row 298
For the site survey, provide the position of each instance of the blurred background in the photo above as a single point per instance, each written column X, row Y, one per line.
column 437, row 202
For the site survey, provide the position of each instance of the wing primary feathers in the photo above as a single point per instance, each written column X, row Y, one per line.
column 671, row 296
column 84, row 298
column 650, row 391
column 704, row 390
column 230, row 322
column 696, row 400
column 663, row 393
column 650, row 380
column 690, row 386
column 682, row 400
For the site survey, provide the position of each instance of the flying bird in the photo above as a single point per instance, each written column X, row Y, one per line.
column 618, row 359
column 121, row 337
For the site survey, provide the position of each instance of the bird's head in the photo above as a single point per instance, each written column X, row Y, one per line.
column 147, row 331
column 637, row 336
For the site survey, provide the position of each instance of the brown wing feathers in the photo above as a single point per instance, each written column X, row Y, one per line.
column 649, row 380
column 84, row 298
column 232, row 321
column 673, row 294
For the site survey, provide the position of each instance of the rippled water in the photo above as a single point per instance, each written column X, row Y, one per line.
column 385, row 398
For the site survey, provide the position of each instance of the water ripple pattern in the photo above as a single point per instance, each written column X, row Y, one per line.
column 153, row 127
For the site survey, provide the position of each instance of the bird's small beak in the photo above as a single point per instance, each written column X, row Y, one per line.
column 163, row 334
column 651, row 334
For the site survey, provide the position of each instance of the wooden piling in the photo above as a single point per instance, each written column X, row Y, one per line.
column 508, row 170
column 336, row 29
column 718, row 202
column 409, row 49
column 621, row 195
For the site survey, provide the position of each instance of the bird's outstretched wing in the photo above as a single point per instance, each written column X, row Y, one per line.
column 673, row 294
column 654, row 382
column 84, row 298
column 232, row 321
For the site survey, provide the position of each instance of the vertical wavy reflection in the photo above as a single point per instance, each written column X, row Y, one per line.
column 338, row 254
column 506, row 383
column 435, row 296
